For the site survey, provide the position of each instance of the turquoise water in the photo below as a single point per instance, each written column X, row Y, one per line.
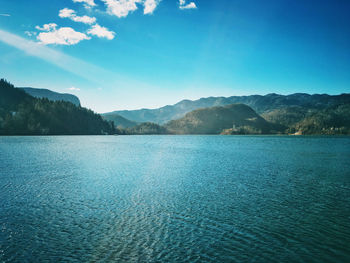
column 174, row 199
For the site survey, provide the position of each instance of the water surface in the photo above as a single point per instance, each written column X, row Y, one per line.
column 174, row 199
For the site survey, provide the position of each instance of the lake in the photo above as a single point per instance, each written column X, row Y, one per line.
column 174, row 199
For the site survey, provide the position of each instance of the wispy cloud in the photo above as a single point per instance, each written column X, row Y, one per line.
column 183, row 5
column 61, row 36
column 57, row 58
column 101, row 32
column 5, row 15
column 30, row 33
column 71, row 14
column 97, row 77
column 88, row 3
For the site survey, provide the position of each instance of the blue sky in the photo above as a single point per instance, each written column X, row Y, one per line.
column 129, row 54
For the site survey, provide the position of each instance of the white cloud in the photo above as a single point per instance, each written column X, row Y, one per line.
column 183, row 5
column 88, row 3
column 121, row 8
column 71, row 14
column 84, row 19
column 101, row 32
column 66, row 12
column 150, row 6
column 74, row 89
column 61, row 36
column 5, row 15
column 191, row 5
column 47, row 27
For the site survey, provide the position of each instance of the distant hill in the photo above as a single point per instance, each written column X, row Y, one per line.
column 22, row 114
column 119, row 121
column 51, row 95
column 330, row 120
column 259, row 103
column 230, row 119
column 287, row 116
column 146, row 128
column 50, row 113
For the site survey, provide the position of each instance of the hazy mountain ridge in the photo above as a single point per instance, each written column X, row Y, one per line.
column 119, row 121
column 52, row 95
column 147, row 128
column 259, row 103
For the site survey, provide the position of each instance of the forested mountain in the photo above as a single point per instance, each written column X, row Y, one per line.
column 260, row 104
column 119, row 121
column 22, row 114
column 146, row 128
column 51, row 95
column 232, row 119
column 327, row 121
column 288, row 116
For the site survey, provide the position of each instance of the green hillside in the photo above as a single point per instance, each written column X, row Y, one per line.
column 146, row 128
column 235, row 119
column 22, row 114
column 333, row 120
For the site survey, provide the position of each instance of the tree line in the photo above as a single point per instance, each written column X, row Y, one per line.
column 22, row 114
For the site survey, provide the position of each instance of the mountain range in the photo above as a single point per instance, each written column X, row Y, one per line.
column 261, row 104
column 39, row 111
column 298, row 113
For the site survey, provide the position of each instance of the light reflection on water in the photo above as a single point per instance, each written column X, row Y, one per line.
column 175, row 199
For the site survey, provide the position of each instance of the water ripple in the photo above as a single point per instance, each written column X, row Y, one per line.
column 174, row 199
